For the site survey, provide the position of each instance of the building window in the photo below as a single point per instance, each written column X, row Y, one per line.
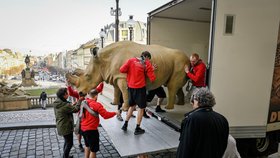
column 229, row 24
column 124, row 34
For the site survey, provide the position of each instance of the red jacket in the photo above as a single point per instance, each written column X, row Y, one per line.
column 99, row 88
column 135, row 70
column 198, row 74
column 72, row 92
column 90, row 122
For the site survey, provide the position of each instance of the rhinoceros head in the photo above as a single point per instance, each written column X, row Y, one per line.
column 86, row 80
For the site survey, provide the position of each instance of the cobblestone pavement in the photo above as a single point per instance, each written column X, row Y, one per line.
column 32, row 133
column 45, row 143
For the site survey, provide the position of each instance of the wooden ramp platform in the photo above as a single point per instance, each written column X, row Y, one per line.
column 157, row 138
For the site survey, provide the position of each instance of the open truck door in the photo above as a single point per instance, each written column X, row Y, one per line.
column 238, row 39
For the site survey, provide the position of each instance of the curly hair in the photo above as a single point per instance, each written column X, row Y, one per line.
column 204, row 97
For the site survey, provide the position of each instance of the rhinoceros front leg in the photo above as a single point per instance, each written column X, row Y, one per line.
column 122, row 84
column 117, row 94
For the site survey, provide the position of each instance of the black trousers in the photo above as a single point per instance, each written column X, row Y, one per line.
column 68, row 143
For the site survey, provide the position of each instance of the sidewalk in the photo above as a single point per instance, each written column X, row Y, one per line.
column 32, row 133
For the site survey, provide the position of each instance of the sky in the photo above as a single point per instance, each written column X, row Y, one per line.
column 39, row 27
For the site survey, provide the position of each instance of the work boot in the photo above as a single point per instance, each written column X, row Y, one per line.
column 132, row 115
column 146, row 115
column 158, row 109
column 124, row 127
column 81, row 148
column 138, row 131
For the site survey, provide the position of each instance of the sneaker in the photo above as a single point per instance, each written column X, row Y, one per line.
column 145, row 115
column 158, row 109
column 119, row 117
column 132, row 115
column 124, row 127
column 81, row 148
column 139, row 131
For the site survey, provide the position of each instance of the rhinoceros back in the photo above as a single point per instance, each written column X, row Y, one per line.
column 168, row 61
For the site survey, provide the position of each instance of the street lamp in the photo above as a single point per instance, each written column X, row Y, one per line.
column 102, row 34
column 116, row 12
column 130, row 22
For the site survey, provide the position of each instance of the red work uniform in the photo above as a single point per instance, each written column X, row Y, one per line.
column 136, row 72
column 198, row 74
column 90, row 122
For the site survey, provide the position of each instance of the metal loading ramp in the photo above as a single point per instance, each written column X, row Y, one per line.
column 157, row 138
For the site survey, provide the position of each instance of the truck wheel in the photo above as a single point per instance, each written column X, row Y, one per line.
column 264, row 146
column 258, row 146
column 261, row 145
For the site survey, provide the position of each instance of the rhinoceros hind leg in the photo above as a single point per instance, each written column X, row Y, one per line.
column 180, row 95
column 125, row 108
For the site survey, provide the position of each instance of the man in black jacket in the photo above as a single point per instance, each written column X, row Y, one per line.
column 204, row 132
column 43, row 100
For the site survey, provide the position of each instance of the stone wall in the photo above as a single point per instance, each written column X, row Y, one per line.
column 14, row 103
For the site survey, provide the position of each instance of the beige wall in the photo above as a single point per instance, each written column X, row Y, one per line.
column 14, row 103
column 184, row 35
column 243, row 63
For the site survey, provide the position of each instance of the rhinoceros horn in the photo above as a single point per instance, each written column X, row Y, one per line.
column 78, row 72
column 72, row 79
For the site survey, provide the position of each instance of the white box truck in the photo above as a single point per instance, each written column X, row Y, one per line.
column 238, row 40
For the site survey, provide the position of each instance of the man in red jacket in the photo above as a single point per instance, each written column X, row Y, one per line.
column 137, row 69
column 90, row 123
column 197, row 73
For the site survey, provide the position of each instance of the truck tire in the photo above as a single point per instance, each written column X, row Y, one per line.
column 257, row 146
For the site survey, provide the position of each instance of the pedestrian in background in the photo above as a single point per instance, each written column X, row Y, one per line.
column 43, row 100
column 204, row 132
column 63, row 111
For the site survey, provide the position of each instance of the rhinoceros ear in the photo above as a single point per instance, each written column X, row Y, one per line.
column 94, row 51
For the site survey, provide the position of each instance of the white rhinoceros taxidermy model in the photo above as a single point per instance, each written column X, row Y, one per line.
column 105, row 66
